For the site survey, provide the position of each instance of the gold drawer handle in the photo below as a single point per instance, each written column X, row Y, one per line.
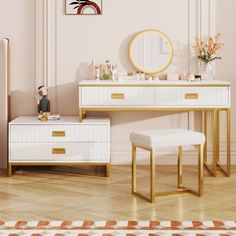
column 58, row 133
column 58, row 151
column 118, row 96
column 191, row 96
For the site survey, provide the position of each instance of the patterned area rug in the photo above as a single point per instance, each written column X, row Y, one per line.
column 110, row 228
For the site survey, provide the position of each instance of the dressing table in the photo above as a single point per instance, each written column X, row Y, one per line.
column 175, row 96
column 151, row 52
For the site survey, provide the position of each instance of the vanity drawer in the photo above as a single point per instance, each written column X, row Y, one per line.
column 58, row 133
column 59, row 152
column 193, row 96
column 117, row 96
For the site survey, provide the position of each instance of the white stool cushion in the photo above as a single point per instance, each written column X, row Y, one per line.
column 167, row 138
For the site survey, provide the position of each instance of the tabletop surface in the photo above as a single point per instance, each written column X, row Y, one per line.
column 64, row 120
column 155, row 83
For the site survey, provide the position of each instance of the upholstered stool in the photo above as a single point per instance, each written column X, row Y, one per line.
column 152, row 139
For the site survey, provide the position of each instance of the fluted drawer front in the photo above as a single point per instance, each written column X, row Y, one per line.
column 58, row 133
column 117, row 96
column 193, row 96
column 55, row 152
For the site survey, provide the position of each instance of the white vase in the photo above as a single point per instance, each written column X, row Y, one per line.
column 207, row 72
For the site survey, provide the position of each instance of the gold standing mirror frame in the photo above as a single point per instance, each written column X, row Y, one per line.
column 167, row 52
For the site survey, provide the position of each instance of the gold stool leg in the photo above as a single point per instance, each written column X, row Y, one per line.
column 180, row 167
column 134, row 182
column 200, row 170
column 152, row 175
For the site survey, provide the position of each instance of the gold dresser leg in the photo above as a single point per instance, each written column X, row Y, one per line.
column 152, row 175
column 200, row 170
column 180, row 167
column 9, row 170
column 108, row 166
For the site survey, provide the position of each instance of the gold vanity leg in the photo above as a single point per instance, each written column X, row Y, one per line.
column 152, row 175
column 218, row 136
column 205, row 133
column 226, row 171
column 228, row 144
column 215, row 140
column 180, row 167
column 205, row 130
column 9, row 170
column 134, row 182
column 200, row 170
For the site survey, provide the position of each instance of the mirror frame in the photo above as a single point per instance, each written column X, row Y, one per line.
column 170, row 47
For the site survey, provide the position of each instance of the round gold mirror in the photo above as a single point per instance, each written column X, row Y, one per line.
column 151, row 51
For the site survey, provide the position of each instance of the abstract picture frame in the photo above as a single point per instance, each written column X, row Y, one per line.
column 83, row 7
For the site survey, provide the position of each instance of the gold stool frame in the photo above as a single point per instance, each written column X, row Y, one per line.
column 181, row 188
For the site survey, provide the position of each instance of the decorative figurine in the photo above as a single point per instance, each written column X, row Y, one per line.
column 191, row 78
column 44, row 103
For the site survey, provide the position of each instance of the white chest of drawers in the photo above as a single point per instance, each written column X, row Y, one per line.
column 63, row 142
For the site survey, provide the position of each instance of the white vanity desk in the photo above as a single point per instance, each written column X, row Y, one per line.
column 205, row 96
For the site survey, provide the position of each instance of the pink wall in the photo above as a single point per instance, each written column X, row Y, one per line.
column 73, row 41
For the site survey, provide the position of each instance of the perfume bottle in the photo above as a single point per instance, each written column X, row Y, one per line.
column 107, row 70
column 142, row 76
column 97, row 68
column 137, row 75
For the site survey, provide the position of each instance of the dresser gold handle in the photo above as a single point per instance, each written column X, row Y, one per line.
column 118, row 96
column 58, row 133
column 58, row 151
column 191, row 96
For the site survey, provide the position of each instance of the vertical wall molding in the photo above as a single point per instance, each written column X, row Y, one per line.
column 52, row 51
column 46, row 47
column 46, row 38
column 35, row 53
column 40, row 49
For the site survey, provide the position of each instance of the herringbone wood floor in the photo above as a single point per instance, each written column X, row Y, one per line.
column 48, row 194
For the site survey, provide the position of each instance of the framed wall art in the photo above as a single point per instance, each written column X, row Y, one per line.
column 83, row 7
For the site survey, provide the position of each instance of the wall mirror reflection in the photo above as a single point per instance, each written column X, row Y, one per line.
column 151, row 51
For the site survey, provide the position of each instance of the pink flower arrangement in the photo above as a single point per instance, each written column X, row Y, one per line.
column 206, row 51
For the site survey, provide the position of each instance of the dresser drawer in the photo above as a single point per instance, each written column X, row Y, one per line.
column 55, row 152
column 58, row 133
column 117, row 96
column 193, row 96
